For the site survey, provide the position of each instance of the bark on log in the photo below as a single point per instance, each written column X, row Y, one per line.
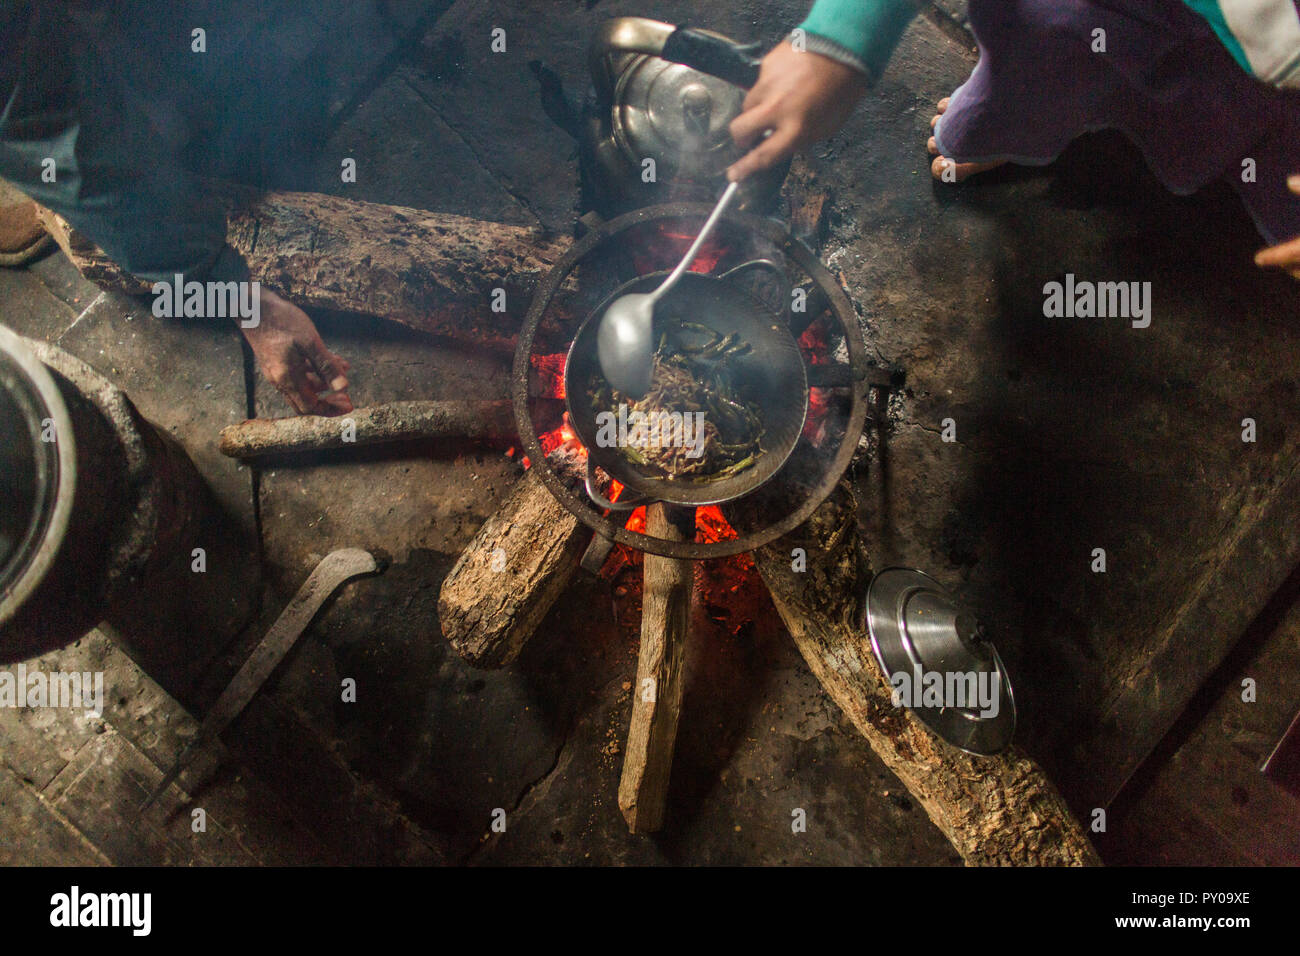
column 508, row 577
column 669, row 585
column 431, row 271
column 995, row 810
column 377, row 424
column 88, row 257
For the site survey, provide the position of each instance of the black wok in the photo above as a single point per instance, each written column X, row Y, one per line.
column 771, row 375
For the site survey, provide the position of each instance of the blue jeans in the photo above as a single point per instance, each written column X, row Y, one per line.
column 98, row 101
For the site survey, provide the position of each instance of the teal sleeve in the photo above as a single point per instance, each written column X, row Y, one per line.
column 1213, row 14
column 868, row 29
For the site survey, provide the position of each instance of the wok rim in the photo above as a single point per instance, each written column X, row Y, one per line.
column 831, row 469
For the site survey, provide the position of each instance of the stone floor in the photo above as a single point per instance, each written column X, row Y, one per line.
column 1071, row 435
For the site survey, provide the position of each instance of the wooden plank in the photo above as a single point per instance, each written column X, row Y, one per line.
column 657, row 692
column 99, row 791
column 46, row 837
column 1202, row 799
column 1261, row 546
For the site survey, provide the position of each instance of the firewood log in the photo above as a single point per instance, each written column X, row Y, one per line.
column 999, row 810
column 669, row 585
column 431, row 271
column 520, row 561
column 373, row 425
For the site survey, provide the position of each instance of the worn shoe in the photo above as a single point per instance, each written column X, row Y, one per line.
column 22, row 237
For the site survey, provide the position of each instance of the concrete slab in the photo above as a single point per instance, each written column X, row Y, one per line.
column 44, row 836
column 1071, row 434
column 184, row 375
column 1204, row 801
column 433, row 169
column 63, row 280
column 30, row 308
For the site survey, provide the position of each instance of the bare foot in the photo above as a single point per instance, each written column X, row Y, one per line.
column 944, row 169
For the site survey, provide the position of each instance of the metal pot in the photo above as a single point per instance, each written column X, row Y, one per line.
column 656, row 129
column 97, row 499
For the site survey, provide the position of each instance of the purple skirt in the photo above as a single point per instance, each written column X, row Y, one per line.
column 1164, row 80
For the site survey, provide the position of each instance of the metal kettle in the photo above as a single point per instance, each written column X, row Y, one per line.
column 656, row 126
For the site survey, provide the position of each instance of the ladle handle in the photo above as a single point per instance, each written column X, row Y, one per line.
column 694, row 250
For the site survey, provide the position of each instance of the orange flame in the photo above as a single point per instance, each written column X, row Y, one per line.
column 670, row 244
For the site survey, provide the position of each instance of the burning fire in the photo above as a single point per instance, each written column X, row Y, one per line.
column 710, row 525
column 815, row 347
column 559, row 436
column 664, row 244
column 668, row 242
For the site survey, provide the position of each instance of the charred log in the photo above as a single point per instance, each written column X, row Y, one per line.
column 999, row 810
column 513, row 571
column 435, row 272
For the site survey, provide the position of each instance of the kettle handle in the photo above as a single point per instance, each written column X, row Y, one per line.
column 702, row 50
column 714, row 54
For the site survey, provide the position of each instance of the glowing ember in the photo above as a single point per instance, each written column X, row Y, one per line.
column 670, row 243
column 711, row 526
column 815, row 348
column 548, row 374
column 558, row 436
column 636, row 521
column 814, row 426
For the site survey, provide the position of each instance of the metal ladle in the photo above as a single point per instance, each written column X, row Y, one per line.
column 625, row 339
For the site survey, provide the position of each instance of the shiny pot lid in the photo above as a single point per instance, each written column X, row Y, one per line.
column 676, row 115
column 938, row 661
